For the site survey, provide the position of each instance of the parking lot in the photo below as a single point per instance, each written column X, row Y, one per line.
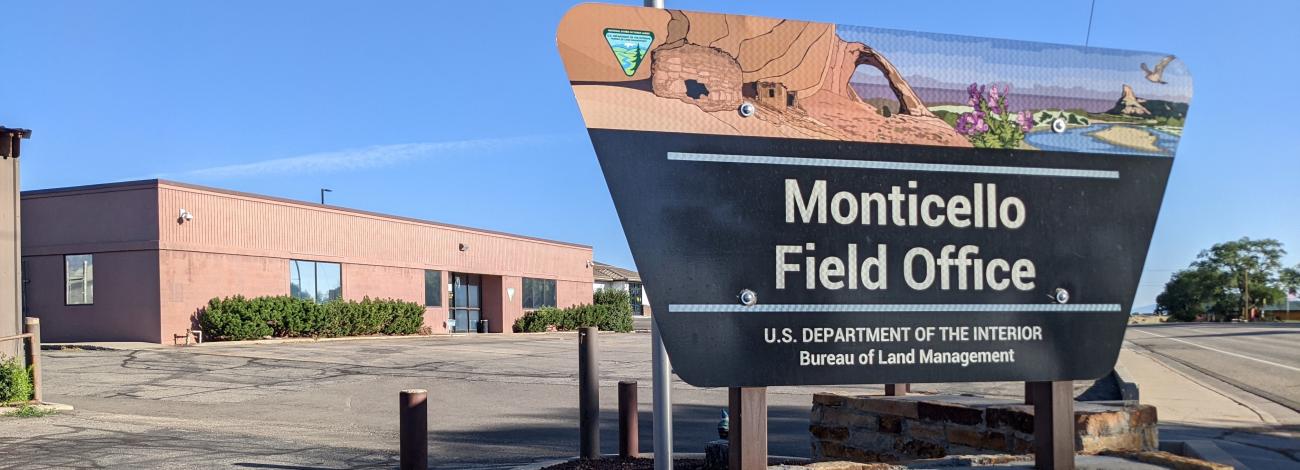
column 494, row 402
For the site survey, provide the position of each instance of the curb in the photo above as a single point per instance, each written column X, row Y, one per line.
column 1202, row 449
column 46, row 406
column 676, row 455
column 96, row 346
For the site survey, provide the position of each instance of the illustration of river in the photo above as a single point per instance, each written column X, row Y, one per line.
column 1079, row 139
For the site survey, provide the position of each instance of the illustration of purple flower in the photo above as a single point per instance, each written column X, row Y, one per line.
column 990, row 123
column 1026, row 121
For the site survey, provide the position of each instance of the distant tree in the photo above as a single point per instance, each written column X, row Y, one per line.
column 1289, row 278
column 1227, row 280
column 1191, row 293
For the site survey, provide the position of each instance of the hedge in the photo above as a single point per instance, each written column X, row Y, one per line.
column 15, row 381
column 241, row 318
column 611, row 311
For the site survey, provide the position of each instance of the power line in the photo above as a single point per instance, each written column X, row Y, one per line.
column 1088, row 37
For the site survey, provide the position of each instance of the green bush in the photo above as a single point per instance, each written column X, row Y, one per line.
column 15, row 381
column 611, row 311
column 241, row 318
column 612, row 297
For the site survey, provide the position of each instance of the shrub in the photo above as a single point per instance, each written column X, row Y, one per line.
column 608, row 317
column 15, row 381
column 613, row 297
column 240, row 318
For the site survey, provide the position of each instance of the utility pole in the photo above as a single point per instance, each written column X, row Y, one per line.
column 322, row 195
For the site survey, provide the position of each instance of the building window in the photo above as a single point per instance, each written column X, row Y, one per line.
column 79, row 278
column 634, row 296
column 539, row 293
column 432, row 288
column 315, row 281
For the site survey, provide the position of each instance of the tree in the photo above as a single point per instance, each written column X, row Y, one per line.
column 1251, row 267
column 1194, row 292
column 1289, row 278
column 1228, row 280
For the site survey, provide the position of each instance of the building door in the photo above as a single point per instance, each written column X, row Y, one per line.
column 634, row 295
column 466, row 302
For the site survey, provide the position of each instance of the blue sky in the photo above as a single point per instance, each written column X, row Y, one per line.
column 460, row 112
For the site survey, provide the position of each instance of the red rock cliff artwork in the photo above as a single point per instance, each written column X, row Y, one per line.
column 702, row 67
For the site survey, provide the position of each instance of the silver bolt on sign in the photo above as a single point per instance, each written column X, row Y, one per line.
column 748, row 298
column 1062, row 295
column 1058, row 125
column 746, row 109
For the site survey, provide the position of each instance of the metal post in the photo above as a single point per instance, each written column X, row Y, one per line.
column 1053, row 424
column 414, row 429
column 747, row 439
column 32, row 325
column 588, row 394
column 322, row 195
column 663, row 403
column 897, row 390
column 629, row 445
column 1029, row 393
column 661, row 395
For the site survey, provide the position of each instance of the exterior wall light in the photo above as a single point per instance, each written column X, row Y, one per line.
column 185, row 216
column 464, row 247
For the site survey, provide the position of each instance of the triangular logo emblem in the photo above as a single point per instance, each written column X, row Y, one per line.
column 629, row 46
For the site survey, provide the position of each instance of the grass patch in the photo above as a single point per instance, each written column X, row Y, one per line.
column 29, row 411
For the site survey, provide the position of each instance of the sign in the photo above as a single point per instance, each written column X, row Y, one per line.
column 813, row 203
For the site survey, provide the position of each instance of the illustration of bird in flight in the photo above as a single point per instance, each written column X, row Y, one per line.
column 1157, row 75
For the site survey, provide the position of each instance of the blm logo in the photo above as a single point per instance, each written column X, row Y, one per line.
column 629, row 47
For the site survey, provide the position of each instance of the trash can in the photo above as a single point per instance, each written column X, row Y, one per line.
column 482, row 326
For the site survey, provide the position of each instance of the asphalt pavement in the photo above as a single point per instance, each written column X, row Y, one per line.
column 1261, row 358
column 1236, row 384
column 495, row 401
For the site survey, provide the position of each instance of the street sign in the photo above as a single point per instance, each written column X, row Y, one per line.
column 810, row 203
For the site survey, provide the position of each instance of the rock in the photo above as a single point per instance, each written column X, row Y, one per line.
column 1129, row 104
column 703, row 76
column 713, row 63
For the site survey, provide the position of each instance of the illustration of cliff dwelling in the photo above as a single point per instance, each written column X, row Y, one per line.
column 798, row 73
column 770, row 94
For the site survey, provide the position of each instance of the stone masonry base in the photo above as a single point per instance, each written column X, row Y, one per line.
column 886, row 429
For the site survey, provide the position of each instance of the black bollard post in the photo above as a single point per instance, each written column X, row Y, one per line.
column 588, row 395
column 414, row 429
column 629, row 443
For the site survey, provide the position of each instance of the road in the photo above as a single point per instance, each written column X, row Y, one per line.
column 1237, row 384
column 1260, row 358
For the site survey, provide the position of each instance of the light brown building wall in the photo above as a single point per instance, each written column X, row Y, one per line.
column 237, row 243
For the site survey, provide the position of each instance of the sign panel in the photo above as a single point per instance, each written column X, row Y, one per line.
column 811, row 203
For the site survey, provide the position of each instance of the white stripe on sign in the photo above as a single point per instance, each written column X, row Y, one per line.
column 903, row 166
column 878, row 308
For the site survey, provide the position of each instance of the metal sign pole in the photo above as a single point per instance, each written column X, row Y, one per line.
column 663, row 404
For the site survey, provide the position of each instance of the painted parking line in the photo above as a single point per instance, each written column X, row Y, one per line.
column 1243, row 356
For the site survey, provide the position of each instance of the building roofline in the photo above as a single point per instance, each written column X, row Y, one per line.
column 158, row 183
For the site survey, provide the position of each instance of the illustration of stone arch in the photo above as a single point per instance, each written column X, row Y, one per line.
column 853, row 54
